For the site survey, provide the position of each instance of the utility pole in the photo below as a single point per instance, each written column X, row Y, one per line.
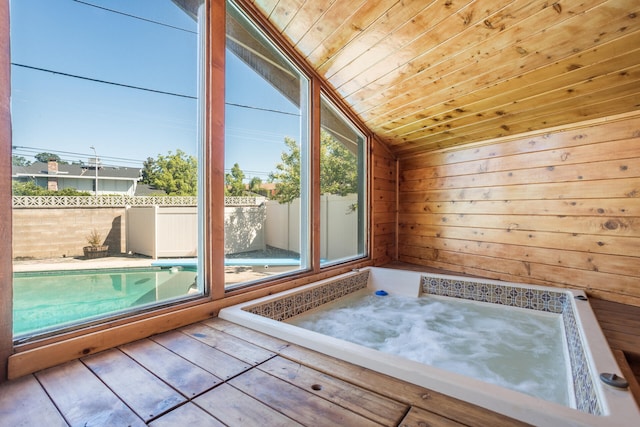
column 96, row 165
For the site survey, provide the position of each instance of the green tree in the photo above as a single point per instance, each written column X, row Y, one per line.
column 19, row 161
column 175, row 174
column 234, row 182
column 338, row 170
column 148, row 170
column 255, row 186
column 45, row 157
column 338, row 167
column 287, row 174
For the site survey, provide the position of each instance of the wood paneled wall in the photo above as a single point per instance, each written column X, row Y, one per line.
column 384, row 204
column 560, row 208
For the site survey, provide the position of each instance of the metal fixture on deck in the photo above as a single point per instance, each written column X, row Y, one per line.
column 614, row 380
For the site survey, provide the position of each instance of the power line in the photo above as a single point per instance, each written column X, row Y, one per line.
column 28, row 150
column 262, row 109
column 135, row 17
column 161, row 92
column 69, row 155
column 75, row 76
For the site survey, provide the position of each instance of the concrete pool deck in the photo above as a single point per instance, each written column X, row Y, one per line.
column 233, row 274
column 70, row 263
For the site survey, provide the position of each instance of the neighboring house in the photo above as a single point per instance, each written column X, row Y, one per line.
column 55, row 176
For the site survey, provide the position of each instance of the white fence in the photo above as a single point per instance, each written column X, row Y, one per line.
column 244, row 229
column 338, row 226
column 171, row 229
column 282, row 227
column 163, row 231
column 167, row 231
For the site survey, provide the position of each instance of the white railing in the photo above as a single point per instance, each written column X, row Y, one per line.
column 120, row 201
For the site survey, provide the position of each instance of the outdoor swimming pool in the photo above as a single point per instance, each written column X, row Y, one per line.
column 45, row 301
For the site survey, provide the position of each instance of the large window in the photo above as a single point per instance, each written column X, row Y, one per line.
column 109, row 120
column 343, row 208
column 106, row 151
column 266, row 158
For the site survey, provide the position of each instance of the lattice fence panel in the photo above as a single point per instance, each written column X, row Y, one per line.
column 119, row 201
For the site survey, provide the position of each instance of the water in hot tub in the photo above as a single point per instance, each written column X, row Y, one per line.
column 519, row 349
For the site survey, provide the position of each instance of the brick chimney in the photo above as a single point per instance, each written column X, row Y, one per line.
column 52, row 169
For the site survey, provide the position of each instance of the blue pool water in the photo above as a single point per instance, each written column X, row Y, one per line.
column 51, row 300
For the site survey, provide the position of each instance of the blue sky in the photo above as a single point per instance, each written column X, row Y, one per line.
column 65, row 114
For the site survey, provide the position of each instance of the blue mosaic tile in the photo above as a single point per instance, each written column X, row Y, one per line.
column 535, row 299
column 299, row 302
column 584, row 387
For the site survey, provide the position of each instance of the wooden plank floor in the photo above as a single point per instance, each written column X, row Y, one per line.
column 217, row 373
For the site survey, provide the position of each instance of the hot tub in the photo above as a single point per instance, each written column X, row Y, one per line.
column 592, row 403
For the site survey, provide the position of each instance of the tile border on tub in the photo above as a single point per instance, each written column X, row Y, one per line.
column 583, row 387
column 533, row 299
column 299, row 302
column 514, row 296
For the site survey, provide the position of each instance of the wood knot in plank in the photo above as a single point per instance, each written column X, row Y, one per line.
column 467, row 18
column 613, row 224
column 513, row 226
column 527, row 266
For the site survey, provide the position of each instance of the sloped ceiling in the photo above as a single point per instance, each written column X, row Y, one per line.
column 424, row 75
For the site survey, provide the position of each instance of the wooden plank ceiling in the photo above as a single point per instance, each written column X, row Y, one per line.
column 431, row 74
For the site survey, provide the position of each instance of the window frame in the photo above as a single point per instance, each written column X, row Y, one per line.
column 306, row 136
column 6, row 262
column 363, row 188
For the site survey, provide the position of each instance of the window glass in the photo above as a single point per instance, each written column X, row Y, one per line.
column 266, row 158
column 342, row 187
column 106, row 150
